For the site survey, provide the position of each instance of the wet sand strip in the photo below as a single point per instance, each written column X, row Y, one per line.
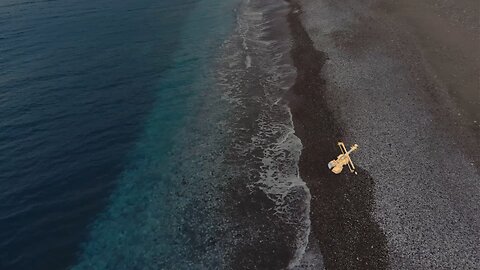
column 341, row 206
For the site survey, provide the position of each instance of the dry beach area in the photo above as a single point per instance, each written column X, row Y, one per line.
column 401, row 79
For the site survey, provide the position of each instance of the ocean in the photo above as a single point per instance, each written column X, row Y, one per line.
column 148, row 135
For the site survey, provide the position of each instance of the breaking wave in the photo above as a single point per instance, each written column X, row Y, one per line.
column 256, row 76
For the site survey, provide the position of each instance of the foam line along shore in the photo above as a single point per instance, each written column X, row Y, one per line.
column 228, row 193
column 267, row 202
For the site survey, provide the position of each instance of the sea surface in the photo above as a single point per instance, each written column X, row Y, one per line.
column 148, row 135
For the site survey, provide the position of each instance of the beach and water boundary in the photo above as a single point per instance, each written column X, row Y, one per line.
column 276, row 206
column 228, row 195
column 195, row 134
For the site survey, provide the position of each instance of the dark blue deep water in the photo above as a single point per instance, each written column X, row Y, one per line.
column 82, row 85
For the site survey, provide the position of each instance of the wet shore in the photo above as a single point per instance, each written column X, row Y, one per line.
column 341, row 205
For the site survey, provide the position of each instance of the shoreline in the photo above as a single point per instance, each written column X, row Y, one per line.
column 265, row 202
column 341, row 205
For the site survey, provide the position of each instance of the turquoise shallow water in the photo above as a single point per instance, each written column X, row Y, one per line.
column 141, row 227
column 148, row 223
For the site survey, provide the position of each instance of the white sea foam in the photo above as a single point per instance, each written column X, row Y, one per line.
column 261, row 61
column 280, row 177
column 248, row 61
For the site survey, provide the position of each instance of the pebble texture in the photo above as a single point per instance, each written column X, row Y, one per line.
column 422, row 154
